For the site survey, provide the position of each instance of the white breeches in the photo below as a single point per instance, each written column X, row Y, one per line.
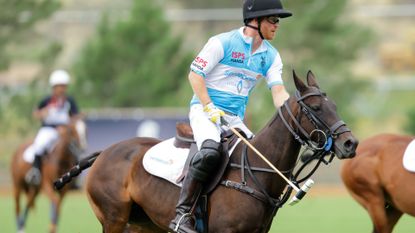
column 204, row 129
column 45, row 140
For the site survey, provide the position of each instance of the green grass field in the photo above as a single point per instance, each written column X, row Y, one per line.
column 315, row 214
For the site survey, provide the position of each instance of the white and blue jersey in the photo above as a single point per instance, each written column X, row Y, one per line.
column 60, row 110
column 231, row 71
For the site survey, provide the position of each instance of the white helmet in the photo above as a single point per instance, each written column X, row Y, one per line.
column 59, row 77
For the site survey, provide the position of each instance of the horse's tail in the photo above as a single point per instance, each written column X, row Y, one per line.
column 76, row 170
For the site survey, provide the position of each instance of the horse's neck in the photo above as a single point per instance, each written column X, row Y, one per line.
column 276, row 143
column 62, row 151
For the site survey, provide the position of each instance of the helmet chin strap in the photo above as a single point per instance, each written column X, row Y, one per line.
column 256, row 28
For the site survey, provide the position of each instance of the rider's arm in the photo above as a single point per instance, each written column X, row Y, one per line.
column 199, row 87
column 279, row 95
column 42, row 109
column 74, row 110
column 40, row 114
column 275, row 83
column 203, row 64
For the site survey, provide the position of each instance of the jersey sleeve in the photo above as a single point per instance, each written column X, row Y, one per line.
column 274, row 73
column 43, row 103
column 73, row 110
column 211, row 54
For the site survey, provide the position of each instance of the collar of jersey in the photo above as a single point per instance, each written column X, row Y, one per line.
column 248, row 40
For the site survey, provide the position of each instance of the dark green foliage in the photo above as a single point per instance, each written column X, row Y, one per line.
column 410, row 125
column 134, row 63
column 323, row 38
column 16, row 19
column 17, row 41
column 200, row 4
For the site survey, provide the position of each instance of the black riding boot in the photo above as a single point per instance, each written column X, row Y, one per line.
column 201, row 167
column 34, row 175
column 184, row 220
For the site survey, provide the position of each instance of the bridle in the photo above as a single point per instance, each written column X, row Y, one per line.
column 320, row 126
column 329, row 133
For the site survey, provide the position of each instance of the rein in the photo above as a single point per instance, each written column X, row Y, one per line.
column 305, row 139
column 329, row 132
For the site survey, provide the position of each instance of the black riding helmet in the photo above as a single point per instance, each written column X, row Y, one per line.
column 262, row 8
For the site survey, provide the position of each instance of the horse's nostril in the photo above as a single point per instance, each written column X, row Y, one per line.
column 349, row 145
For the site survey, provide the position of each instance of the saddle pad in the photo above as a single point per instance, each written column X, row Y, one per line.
column 166, row 161
column 29, row 154
column 409, row 157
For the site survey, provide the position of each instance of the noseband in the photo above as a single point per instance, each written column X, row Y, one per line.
column 320, row 126
column 304, row 138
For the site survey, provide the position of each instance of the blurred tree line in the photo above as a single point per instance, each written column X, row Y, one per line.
column 134, row 62
column 410, row 125
column 320, row 37
column 137, row 62
column 18, row 39
column 16, row 21
column 114, row 66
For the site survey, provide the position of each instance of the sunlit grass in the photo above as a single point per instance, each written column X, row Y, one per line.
column 314, row 214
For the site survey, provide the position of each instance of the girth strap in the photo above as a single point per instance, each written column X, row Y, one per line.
column 244, row 189
column 262, row 194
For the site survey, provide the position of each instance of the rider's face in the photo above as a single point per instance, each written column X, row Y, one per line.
column 59, row 90
column 269, row 28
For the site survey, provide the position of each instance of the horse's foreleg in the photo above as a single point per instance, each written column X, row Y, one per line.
column 22, row 217
column 55, row 201
column 21, row 220
column 376, row 208
column 54, row 215
column 16, row 193
column 393, row 216
column 114, row 227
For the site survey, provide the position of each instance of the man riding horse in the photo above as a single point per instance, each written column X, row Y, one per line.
column 54, row 111
column 222, row 77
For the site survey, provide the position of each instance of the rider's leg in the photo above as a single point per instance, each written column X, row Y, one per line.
column 44, row 141
column 201, row 167
column 34, row 175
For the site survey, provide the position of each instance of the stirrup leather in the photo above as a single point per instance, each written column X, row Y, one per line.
column 180, row 220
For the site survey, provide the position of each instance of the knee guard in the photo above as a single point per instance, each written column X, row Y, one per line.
column 206, row 160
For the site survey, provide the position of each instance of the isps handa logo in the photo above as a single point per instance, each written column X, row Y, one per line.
column 238, row 57
column 200, row 63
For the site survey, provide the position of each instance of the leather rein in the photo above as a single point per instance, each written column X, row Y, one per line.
column 322, row 129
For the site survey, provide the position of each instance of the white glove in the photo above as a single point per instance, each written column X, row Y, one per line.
column 213, row 112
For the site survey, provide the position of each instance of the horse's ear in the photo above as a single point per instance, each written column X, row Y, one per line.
column 301, row 87
column 311, row 79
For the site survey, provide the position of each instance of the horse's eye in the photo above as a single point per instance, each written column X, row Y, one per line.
column 315, row 107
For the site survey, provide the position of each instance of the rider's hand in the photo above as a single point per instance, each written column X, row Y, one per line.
column 213, row 112
column 44, row 112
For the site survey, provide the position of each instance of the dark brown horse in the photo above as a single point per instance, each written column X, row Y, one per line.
column 377, row 180
column 121, row 192
column 56, row 163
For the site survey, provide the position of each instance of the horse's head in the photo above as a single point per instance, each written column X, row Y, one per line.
column 318, row 121
column 81, row 132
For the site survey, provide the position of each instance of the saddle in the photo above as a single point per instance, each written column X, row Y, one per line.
column 184, row 136
column 185, row 139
